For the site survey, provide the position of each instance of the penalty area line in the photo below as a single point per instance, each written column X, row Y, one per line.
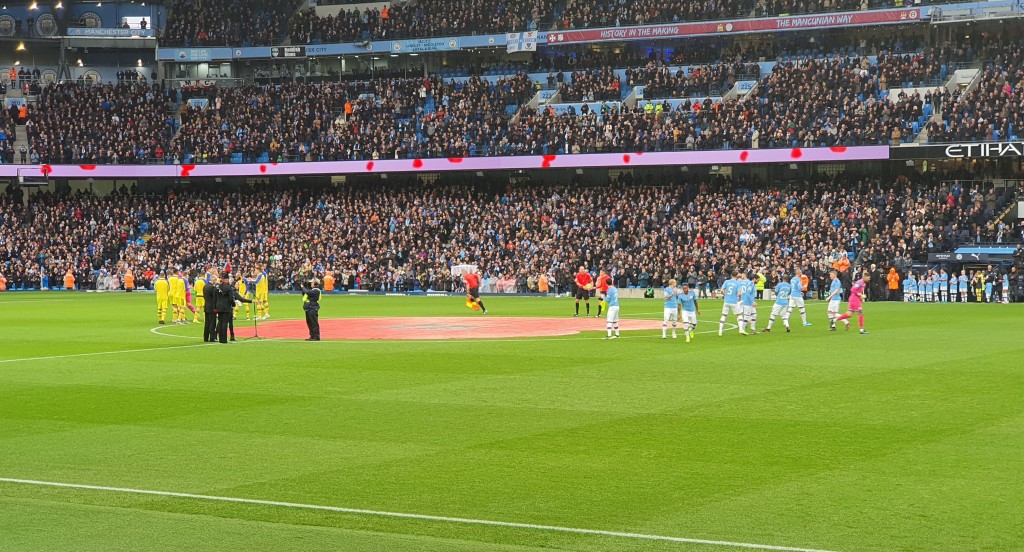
column 402, row 515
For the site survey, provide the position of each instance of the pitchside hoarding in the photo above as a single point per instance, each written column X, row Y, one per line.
column 960, row 151
column 597, row 160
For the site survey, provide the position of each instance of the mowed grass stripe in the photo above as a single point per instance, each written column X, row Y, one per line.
column 826, row 440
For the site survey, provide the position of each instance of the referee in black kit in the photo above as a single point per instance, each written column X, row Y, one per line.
column 311, row 304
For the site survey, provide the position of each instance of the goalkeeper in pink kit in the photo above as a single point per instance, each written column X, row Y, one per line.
column 856, row 303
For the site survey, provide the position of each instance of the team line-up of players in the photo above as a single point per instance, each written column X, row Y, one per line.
column 941, row 287
column 740, row 296
column 174, row 290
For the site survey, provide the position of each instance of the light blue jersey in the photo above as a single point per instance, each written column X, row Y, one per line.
column 944, row 281
column 798, row 285
column 935, row 284
column 612, row 296
column 835, row 290
column 731, row 289
column 670, row 298
column 963, row 283
column 689, row 301
column 747, row 293
column 954, row 286
column 913, row 285
column 782, row 292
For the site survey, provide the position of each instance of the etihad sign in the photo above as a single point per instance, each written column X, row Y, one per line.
column 1000, row 149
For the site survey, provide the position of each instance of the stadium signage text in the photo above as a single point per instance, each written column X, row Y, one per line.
column 792, row 23
column 288, row 52
column 111, row 33
column 1003, row 149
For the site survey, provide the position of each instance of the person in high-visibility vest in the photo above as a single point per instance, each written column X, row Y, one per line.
column 894, row 284
column 69, row 280
column 129, row 281
column 759, row 284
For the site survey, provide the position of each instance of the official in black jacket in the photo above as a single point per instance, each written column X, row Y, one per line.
column 210, row 292
column 226, row 297
column 311, row 304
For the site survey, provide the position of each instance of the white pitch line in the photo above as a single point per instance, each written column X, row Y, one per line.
column 27, row 359
column 424, row 517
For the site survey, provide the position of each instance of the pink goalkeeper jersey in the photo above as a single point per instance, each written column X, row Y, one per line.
column 858, row 287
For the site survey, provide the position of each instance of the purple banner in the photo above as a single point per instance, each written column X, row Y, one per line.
column 594, row 160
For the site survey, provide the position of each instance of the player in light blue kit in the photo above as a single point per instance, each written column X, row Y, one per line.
column 796, row 299
column 748, row 297
column 964, row 288
column 611, row 297
column 731, row 290
column 690, row 309
column 671, row 309
column 913, row 287
column 835, row 298
column 954, row 288
column 943, row 286
column 781, row 307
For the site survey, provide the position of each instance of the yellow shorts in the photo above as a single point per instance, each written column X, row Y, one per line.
column 178, row 300
column 162, row 302
column 263, row 297
column 200, row 301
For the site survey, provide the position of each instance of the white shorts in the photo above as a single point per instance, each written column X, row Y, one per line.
column 780, row 310
column 613, row 314
column 690, row 317
column 833, row 307
column 749, row 310
column 671, row 314
column 736, row 309
column 796, row 301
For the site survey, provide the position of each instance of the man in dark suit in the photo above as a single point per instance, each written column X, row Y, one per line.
column 210, row 309
column 226, row 297
column 311, row 304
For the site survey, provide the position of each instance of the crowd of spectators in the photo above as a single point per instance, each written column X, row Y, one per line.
column 843, row 100
column 228, row 22
column 992, row 111
column 417, row 20
column 377, row 119
column 124, row 123
column 406, row 235
column 593, row 85
column 659, row 81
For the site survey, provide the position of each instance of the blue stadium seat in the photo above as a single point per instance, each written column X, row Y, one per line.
column 236, row 157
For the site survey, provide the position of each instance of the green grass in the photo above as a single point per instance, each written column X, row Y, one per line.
column 910, row 438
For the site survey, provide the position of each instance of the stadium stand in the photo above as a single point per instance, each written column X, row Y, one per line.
column 404, row 235
column 228, row 22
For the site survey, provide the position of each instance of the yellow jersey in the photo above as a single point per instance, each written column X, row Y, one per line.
column 198, row 287
column 240, row 286
column 177, row 286
column 161, row 287
column 262, row 285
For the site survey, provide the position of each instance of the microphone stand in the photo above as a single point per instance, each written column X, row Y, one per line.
column 255, row 326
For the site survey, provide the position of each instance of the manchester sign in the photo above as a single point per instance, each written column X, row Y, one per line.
column 774, row 24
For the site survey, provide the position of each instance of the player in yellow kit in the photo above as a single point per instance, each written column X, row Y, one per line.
column 177, row 297
column 262, row 285
column 162, row 289
column 243, row 287
column 199, row 299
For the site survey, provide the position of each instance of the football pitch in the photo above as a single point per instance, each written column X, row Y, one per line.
column 116, row 437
